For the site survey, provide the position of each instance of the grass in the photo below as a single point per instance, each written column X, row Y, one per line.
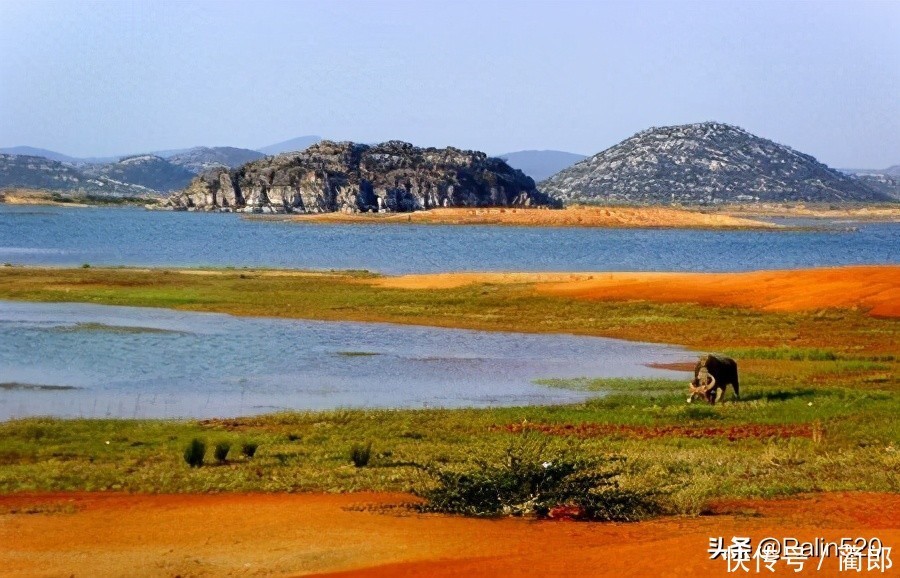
column 858, row 449
column 195, row 453
column 221, row 451
column 820, row 398
column 361, row 454
column 248, row 449
column 514, row 307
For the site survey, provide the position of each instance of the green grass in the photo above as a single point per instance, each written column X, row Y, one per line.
column 308, row 451
column 831, row 371
column 844, row 334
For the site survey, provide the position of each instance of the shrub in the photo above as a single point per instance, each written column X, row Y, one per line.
column 249, row 449
column 194, row 453
column 526, row 485
column 221, row 451
column 360, row 455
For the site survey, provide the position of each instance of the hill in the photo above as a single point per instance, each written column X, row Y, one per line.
column 540, row 165
column 36, row 152
column 706, row 162
column 28, row 172
column 147, row 171
column 202, row 159
column 292, row 145
column 351, row 177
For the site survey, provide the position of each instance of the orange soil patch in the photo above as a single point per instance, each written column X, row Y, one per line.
column 575, row 216
column 85, row 534
column 881, row 213
column 731, row 433
column 874, row 288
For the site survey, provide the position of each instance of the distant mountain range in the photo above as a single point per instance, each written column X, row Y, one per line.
column 892, row 171
column 294, row 144
column 886, row 180
column 156, row 172
column 706, row 162
column 28, row 172
column 540, row 165
column 698, row 163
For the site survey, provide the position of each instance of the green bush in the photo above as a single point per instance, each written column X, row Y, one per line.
column 360, row 455
column 528, row 486
column 194, row 453
column 249, row 449
column 221, row 451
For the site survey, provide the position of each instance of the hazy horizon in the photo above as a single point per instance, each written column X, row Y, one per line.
column 98, row 79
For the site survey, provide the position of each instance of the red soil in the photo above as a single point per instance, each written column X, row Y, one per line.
column 875, row 289
column 736, row 432
column 84, row 534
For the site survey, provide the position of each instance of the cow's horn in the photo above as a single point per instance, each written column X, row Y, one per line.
column 712, row 382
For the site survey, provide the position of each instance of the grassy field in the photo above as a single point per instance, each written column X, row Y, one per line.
column 820, row 398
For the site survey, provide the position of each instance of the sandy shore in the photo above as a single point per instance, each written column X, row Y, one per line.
column 879, row 213
column 872, row 288
column 575, row 216
column 104, row 534
column 65, row 198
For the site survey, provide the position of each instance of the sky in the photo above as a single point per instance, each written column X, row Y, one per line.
column 109, row 78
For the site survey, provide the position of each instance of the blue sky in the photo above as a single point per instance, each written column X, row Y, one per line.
column 105, row 78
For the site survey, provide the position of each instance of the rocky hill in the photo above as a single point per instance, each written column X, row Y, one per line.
column 540, row 165
column 153, row 173
column 882, row 182
column 201, row 159
column 349, row 177
column 147, row 171
column 703, row 163
column 28, row 172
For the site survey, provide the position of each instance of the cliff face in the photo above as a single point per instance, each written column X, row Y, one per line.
column 349, row 177
column 703, row 163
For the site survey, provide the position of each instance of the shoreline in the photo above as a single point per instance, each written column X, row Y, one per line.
column 367, row 535
column 575, row 216
column 815, row 384
column 74, row 199
column 745, row 217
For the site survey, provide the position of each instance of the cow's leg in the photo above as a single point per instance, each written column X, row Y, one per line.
column 737, row 389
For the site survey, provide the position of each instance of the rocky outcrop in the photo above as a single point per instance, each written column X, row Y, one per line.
column 392, row 176
column 704, row 163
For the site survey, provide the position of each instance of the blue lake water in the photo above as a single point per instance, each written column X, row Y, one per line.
column 132, row 236
column 142, row 362
column 130, row 362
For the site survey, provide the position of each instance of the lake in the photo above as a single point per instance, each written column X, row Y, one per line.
column 80, row 360
column 39, row 235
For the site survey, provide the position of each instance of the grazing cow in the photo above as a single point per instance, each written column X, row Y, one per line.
column 712, row 375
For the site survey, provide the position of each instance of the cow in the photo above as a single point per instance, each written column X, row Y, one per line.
column 712, row 375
